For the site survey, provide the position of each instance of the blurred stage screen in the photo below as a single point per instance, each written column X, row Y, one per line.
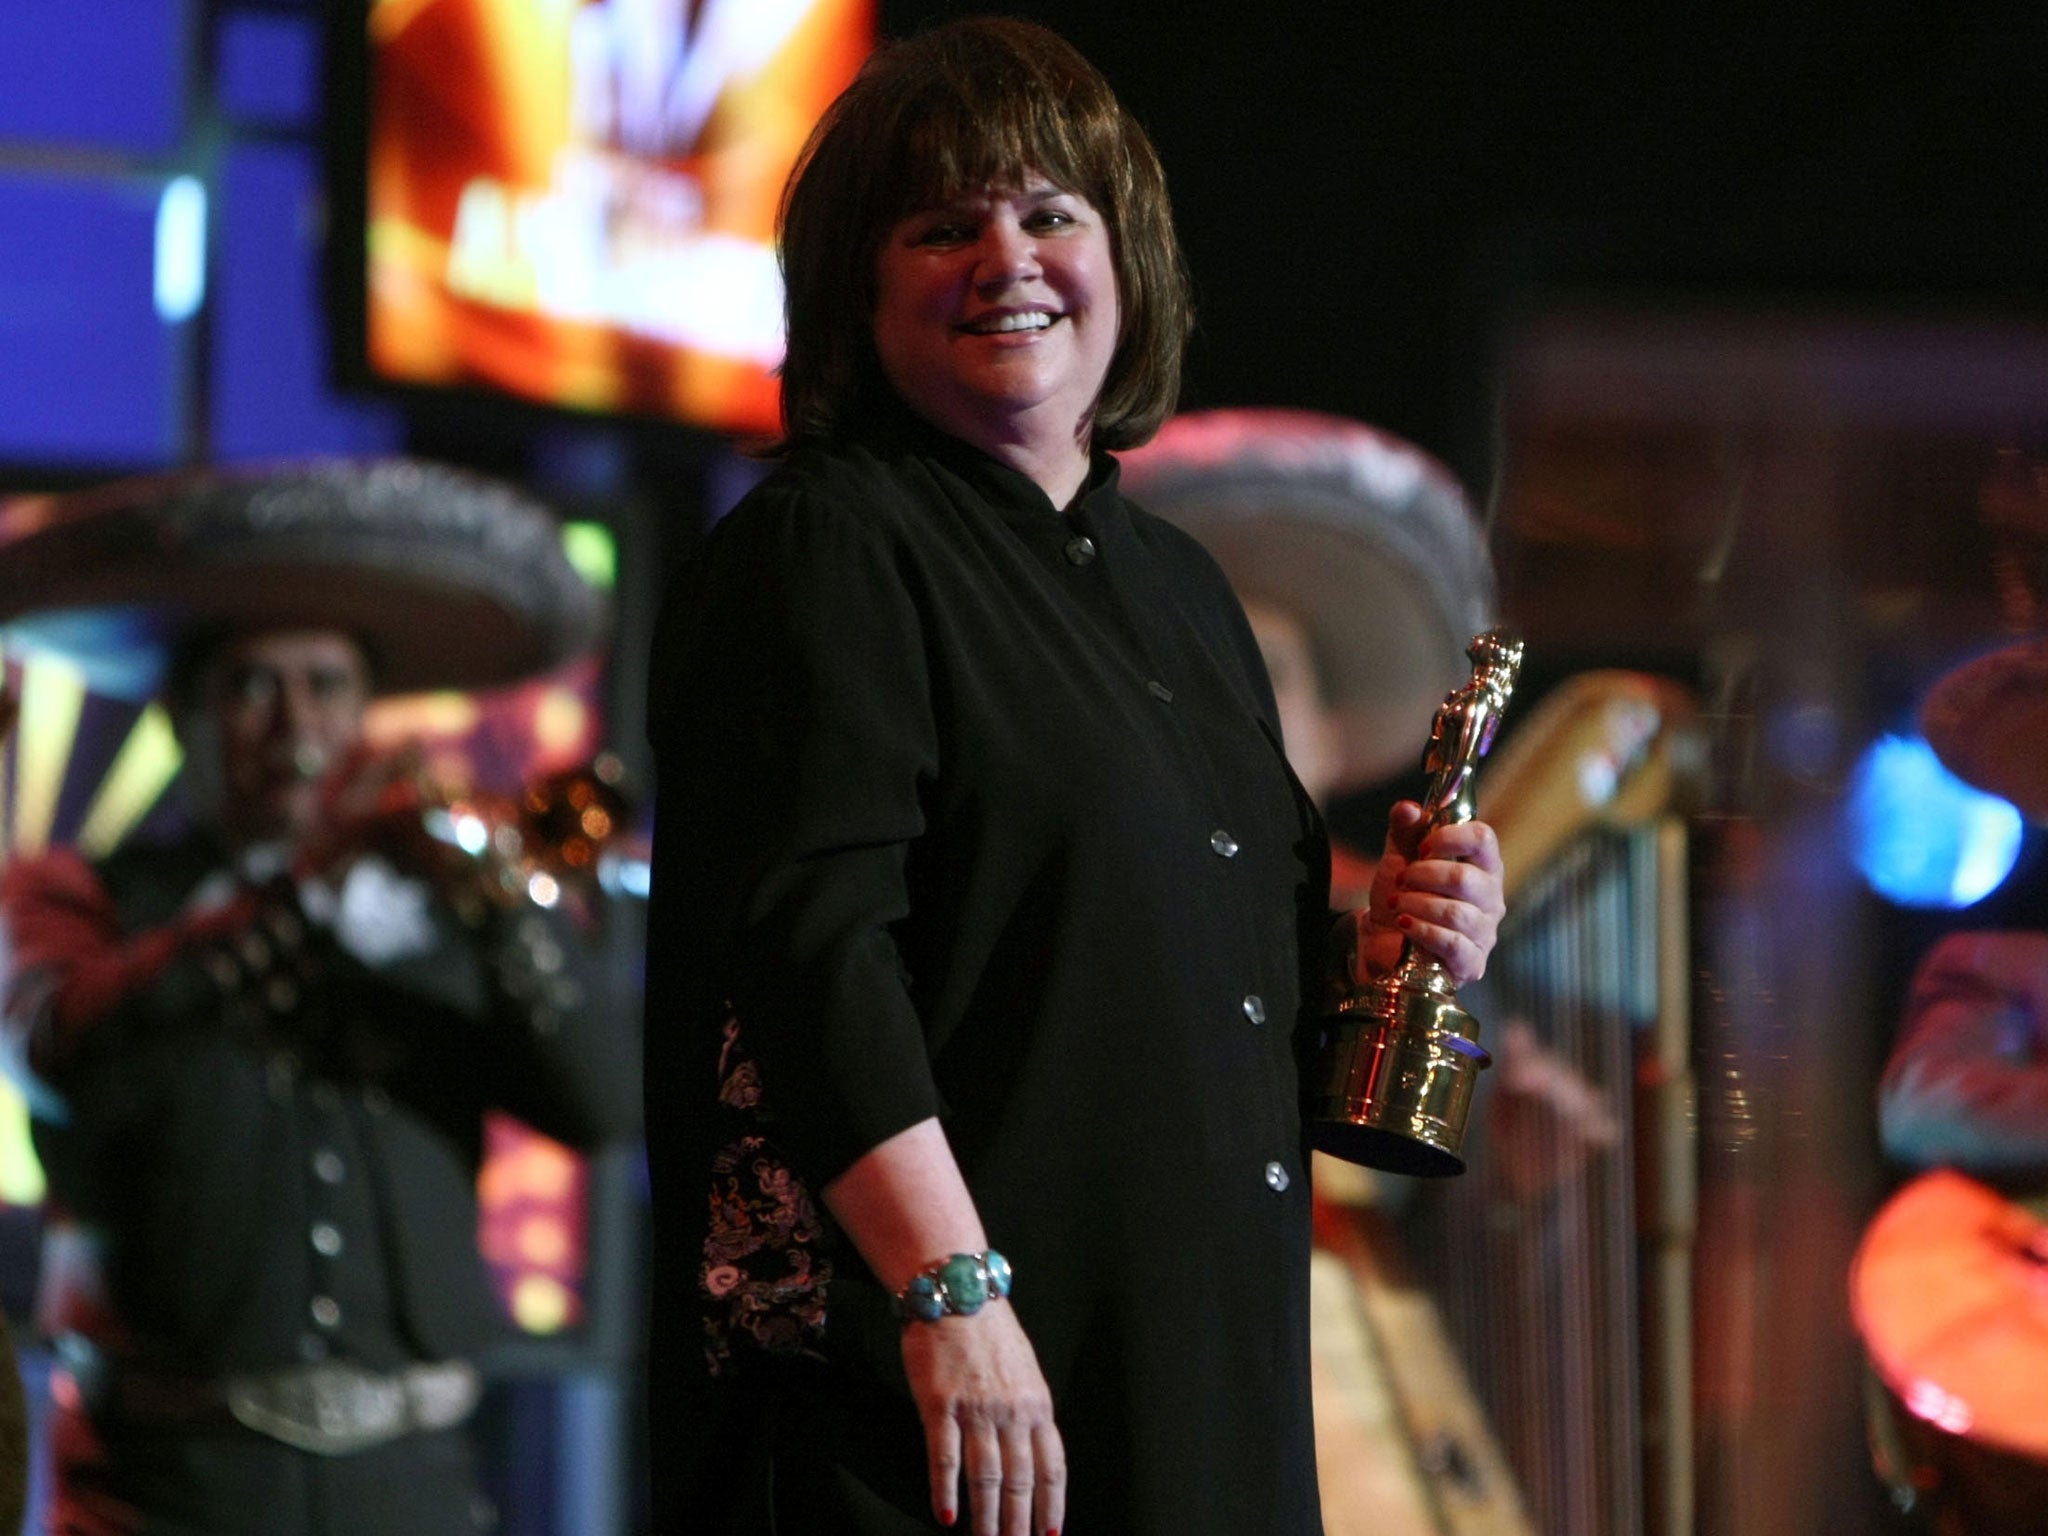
column 575, row 204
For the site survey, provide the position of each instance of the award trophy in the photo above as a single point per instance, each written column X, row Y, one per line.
column 1393, row 1077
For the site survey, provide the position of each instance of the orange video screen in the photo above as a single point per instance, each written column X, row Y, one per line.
column 573, row 201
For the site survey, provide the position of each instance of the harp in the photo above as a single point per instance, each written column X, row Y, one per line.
column 1557, row 1273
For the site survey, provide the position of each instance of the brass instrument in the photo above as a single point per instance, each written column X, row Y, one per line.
column 536, row 847
column 1398, row 1059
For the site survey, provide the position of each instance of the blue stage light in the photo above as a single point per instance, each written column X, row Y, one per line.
column 1920, row 835
column 180, row 250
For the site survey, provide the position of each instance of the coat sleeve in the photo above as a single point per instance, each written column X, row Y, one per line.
column 72, row 973
column 794, row 732
column 561, row 1045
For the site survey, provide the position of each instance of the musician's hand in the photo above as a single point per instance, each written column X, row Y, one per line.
column 367, row 799
column 1544, row 1120
column 988, row 1419
column 1441, row 889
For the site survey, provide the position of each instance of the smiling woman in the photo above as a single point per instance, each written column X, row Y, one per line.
column 984, row 907
column 957, row 114
column 996, row 319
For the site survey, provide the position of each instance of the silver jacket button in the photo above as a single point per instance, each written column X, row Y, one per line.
column 1276, row 1177
column 1224, row 844
column 1255, row 1008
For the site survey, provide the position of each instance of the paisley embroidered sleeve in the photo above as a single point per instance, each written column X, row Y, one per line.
column 766, row 1253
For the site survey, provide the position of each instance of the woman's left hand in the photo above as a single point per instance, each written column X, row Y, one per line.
column 1440, row 889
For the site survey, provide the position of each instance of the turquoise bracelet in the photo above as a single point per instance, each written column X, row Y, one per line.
column 957, row 1286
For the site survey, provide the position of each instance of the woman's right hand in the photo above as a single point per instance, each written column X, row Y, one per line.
column 988, row 1420
column 986, row 1409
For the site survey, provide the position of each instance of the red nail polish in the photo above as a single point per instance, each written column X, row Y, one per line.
column 947, row 1517
column 1406, row 921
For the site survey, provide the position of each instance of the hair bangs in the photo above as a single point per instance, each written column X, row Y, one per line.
column 987, row 103
column 972, row 131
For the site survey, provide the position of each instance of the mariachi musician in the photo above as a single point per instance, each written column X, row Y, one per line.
column 1363, row 571
column 261, row 1050
column 1948, row 1287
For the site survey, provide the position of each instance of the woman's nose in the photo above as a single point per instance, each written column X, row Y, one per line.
column 1008, row 254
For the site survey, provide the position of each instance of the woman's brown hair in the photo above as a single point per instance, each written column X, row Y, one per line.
column 971, row 104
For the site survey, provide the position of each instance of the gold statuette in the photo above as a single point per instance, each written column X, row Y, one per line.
column 1398, row 1060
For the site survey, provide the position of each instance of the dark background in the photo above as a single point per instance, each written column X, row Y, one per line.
column 1366, row 192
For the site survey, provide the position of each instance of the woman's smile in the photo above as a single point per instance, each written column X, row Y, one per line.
column 1009, row 323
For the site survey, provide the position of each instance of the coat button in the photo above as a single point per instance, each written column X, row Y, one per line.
column 1080, row 549
column 1224, row 844
column 1276, row 1178
column 327, row 1311
column 326, row 1237
column 1255, row 1008
column 1159, row 691
column 328, row 1167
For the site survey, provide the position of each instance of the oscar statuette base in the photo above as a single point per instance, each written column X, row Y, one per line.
column 1395, row 1075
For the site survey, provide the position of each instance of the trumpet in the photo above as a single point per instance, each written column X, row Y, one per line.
column 541, row 846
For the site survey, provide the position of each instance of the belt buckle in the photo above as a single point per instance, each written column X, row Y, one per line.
column 329, row 1410
column 442, row 1394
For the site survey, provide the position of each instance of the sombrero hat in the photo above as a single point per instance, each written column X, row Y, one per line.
column 1987, row 720
column 1368, row 540
column 450, row 579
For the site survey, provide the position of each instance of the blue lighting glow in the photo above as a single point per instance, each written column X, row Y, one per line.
column 1920, row 835
column 180, row 250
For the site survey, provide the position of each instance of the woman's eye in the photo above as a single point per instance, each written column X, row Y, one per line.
column 945, row 234
column 1050, row 218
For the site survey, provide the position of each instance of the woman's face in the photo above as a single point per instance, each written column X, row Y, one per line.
column 996, row 315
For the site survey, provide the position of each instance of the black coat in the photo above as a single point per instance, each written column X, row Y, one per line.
column 265, row 1153
column 973, row 808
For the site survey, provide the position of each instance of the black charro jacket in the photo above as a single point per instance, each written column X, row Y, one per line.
column 262, row 1151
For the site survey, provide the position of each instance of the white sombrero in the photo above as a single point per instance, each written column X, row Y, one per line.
column 1365, row 538
column 451, row 580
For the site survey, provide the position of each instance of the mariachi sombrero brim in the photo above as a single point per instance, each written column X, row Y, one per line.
column 451, row 580
column 1987, row 720
column 1366, row 539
